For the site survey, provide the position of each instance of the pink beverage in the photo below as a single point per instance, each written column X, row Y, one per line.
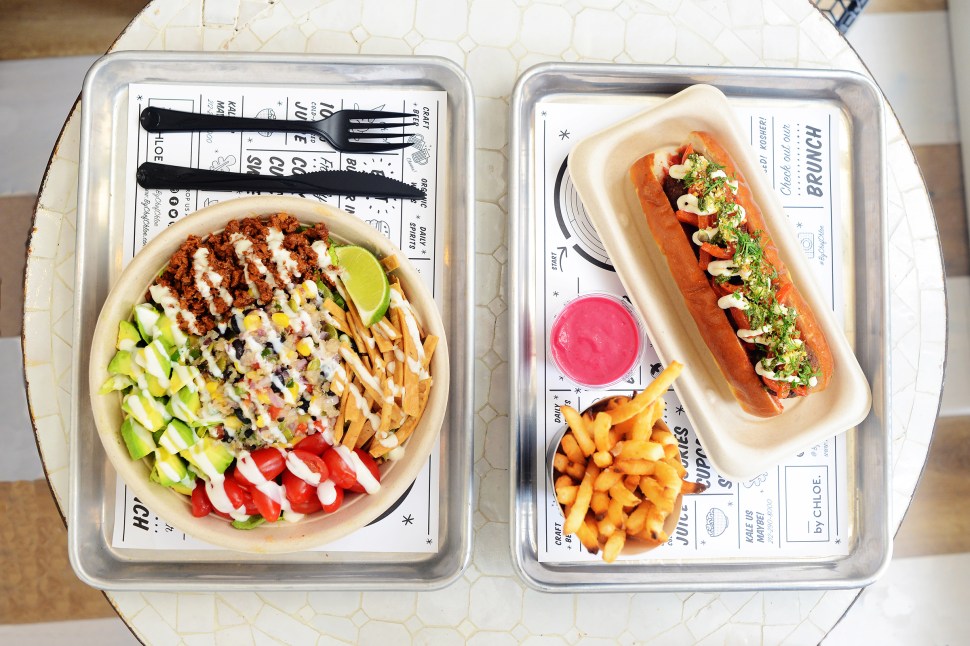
column 595, row 340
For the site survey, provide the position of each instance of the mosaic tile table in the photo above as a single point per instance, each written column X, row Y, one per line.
column 495, row 41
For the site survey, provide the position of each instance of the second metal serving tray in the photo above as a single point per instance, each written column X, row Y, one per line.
column 859, row 104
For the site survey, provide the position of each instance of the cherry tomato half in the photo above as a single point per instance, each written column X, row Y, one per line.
column 311, row 461
column 200, row 501
column 266, row 506
column 371, row 465
column 335, row 505
column 239, row 497
column 269, row 461
column 341, row 473
column 297, row 489
column 315, row 444
column 307, row 507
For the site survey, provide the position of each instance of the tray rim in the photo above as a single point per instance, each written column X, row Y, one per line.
column 455, row 549
column 667, row 80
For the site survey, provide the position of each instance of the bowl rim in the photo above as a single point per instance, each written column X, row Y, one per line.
column 129, row 288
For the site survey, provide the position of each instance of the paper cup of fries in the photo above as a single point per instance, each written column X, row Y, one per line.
column 617, row 473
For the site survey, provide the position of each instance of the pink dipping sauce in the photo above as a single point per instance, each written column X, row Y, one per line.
column 595, row 341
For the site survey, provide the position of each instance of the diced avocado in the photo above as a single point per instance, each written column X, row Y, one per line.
column 169, row 468
column 157, row 367
column 177, row 437
column 146, row 317
column 154, row 386
column 128, row 336
column 250, row 523
column 183, row 375
column 209, row 456
column 168, row 332
column 115, row 382
column 144, row 409
column 137, row 438
column 186, row 405
column 122, row 364
column 185, row 487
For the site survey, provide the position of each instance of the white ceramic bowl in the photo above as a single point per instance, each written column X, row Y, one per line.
column 358, row 509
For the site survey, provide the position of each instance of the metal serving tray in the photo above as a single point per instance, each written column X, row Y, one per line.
column 101, row 198
column 863, row 176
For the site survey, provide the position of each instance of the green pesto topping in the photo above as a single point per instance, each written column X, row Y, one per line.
column 779, row 347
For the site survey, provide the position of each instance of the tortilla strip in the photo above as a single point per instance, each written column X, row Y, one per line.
column 339, row 316
column 411, row 423
column 430, row 343
column 365, row 436
column 367, row 379
column 350, row 439
column 338, row 429
column 390, row 263
column 386, row 327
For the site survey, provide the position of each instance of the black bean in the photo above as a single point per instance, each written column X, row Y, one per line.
column 239, row 346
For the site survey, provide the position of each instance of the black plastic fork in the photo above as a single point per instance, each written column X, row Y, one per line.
column 345, row 130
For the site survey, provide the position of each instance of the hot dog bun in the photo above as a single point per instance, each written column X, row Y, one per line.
column 717, row 326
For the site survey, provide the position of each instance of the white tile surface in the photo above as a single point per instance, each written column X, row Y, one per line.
column 918, row 601
column 909, row 56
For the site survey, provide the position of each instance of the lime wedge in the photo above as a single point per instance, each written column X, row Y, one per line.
column 365, row 281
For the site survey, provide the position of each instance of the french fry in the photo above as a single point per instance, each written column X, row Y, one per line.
column 692, row 487
column 620, row 494
column 588, row 535
column 564, row 481
column 578, row 426
column 560, row 462
column 615, row 512
column 642, row 427
column 614, row 544
column 646, row 396
column 605, row 527
column 643, row 450
column 567, row 495
column 602, row 459
column 653, row 492
column 601, row 432
column 635, row 467
column 606, row 479
column 577, row 513
column 637, row 519
column 576, row 470
column 571, row 449
column 666, row 475
column 599, row 504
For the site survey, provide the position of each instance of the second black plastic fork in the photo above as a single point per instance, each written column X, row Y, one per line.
column 346, row 130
